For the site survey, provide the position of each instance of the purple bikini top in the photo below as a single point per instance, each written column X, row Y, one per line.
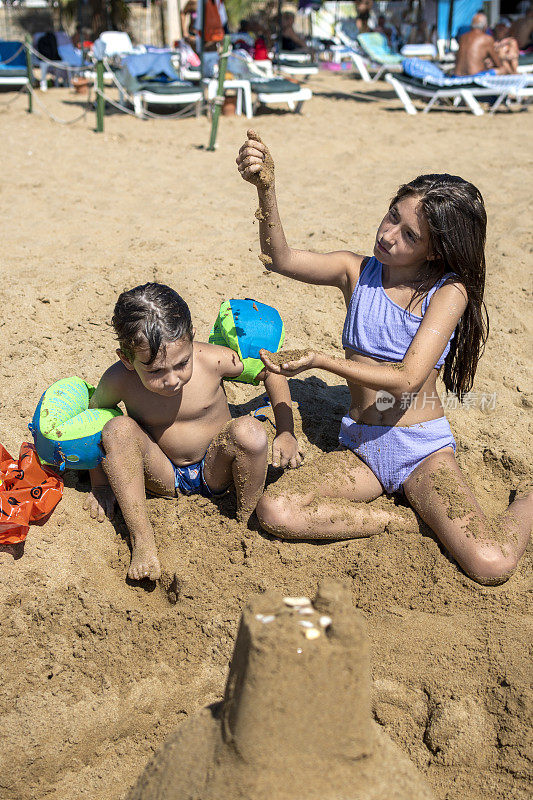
column 377, row 326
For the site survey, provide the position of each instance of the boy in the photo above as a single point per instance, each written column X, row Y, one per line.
column 178, row 434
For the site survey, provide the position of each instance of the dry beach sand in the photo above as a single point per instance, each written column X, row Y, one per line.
column 96, row 673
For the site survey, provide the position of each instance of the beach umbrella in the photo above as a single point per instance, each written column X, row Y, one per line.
column 450, row 20
column 455, row 14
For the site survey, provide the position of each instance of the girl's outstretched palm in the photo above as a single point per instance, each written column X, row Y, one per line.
column 294, row 364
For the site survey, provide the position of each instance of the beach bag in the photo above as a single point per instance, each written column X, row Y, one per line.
column 28, row 493
column 213, row 30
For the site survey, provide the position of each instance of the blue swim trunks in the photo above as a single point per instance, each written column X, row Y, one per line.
column 190, row 480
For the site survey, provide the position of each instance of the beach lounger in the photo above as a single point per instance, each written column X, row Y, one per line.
column 69, row 64
column 525, row 63
column 426, row 50
column 240, row 86
column 377, row 50
column 150, row 79
column 421, row 79
column 507, row 88
column 267, row 88
column 407, row 87
column 111, row 46
column 298, row 65
column 13, row 70
column 368, row 51
column 272, row 91
column 347, row 33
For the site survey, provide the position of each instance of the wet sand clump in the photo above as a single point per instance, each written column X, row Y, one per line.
column 295, row 721
column 265, row 176
column 286, row 356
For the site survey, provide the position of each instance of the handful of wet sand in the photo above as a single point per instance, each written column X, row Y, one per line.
column 265, row 176
column 286, row 356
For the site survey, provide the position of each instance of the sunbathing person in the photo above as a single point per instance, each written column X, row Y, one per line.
column 479, row 52
column 290, row 40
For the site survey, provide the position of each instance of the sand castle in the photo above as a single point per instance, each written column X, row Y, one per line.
column 296, row 718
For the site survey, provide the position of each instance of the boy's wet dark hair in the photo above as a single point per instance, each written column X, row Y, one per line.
column 457, row 221
column 152, row 314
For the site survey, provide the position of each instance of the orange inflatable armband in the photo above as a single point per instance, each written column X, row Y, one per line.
column 28, row 493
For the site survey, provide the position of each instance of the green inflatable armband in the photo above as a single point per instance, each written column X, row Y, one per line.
column 247, row 326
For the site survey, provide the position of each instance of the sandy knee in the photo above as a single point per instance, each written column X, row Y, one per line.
column 491, row 566
column 275, row 514
column 249, row 435
column 118, row 431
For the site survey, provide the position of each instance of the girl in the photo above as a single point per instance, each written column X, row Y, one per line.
column 414, row 306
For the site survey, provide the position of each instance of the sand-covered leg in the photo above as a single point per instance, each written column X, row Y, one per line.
column 327, row 499
column 239, row 455
column 487, row 550
column 130, row 455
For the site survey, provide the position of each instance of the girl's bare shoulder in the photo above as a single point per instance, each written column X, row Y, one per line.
column 351, row 261
column 355, row 264
column 449, row 291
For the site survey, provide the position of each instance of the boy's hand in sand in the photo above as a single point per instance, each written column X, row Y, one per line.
column 288, row 363
column 286, row 451
column 255, row 162
column 100, row 502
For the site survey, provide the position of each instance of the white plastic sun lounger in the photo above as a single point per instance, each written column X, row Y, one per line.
column 362, row 53
column 498, row 87
column 267, row 88
column 137, row 80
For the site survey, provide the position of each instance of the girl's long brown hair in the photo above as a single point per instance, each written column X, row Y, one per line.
column 457, row 223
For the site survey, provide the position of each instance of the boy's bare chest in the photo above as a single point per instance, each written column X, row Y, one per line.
column 193, row 403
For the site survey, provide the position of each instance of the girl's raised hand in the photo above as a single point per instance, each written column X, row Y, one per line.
column 255, row 162
column 290, row 363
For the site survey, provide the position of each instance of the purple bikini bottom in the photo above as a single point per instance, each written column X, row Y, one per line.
column 392, row 453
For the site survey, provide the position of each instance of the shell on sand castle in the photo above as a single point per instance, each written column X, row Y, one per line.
column 295, row 721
